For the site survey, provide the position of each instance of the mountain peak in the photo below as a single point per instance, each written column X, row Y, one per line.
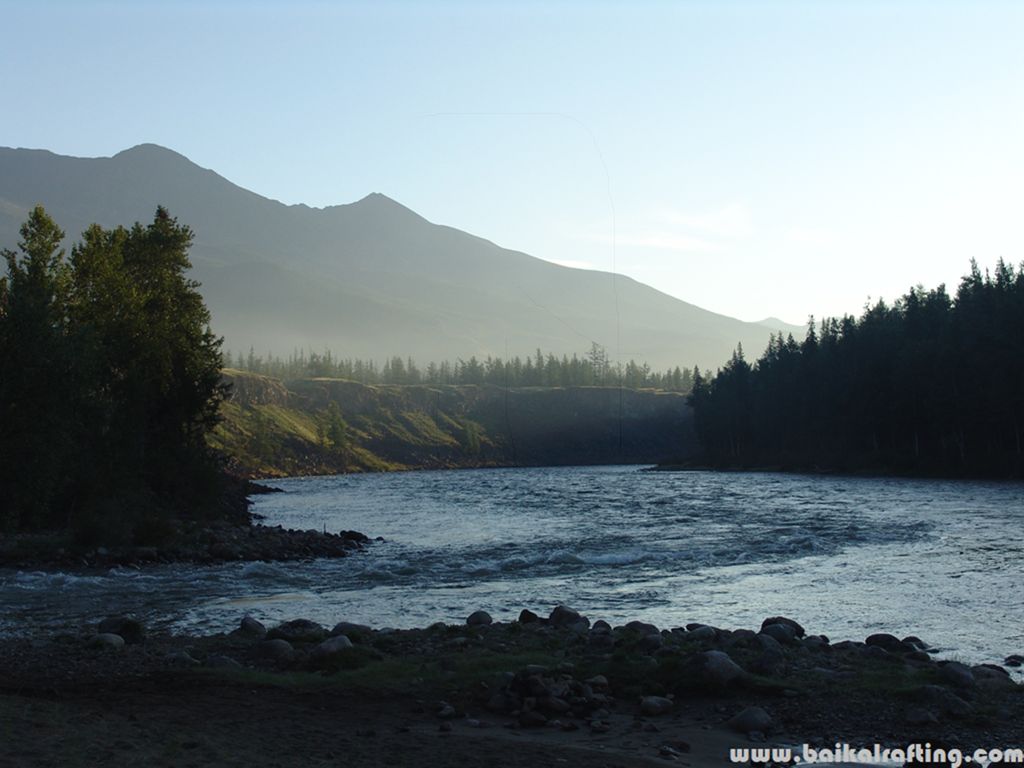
column 150, row 150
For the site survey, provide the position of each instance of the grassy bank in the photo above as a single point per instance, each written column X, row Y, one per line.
column 273, row 428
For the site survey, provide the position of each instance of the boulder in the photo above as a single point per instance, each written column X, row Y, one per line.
column 131, row 630
column 957, row 674
column 798, row 631
column 106, row 641
column 251, row 627
column 782, row 633
column 992, row 676
column 277, row 650
column 299, row 631
column 181, row 659
column 751, row 720
column 563, row 616
column 713, row 670
column 1014, row 660
column 526, row 616
column 330, row 648
column 641, row 628
column 357, row 633
column 702, row 633
column 655, row 705
column 889, row 643
column 479, row 619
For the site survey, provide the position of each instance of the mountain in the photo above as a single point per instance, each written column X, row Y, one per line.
column 369, row 279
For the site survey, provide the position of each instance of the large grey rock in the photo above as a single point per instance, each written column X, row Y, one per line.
column 655, row 705
column 942, row 699
column 563, row 616
column 106, row 641
column 992, row 677
column 181, row 659
column 957, row 674
column 277, row 649
column 330, row 648
column 299, row 631
column 798, row 631
column 251, row 627
column 131, row 630
column 701, row 634
column 714, row 670
column 479, row 619
column 782, row 633
column 357, row 633
column 641, row 628
column 751, row 720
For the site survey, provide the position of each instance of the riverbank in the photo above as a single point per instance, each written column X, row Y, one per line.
column 202, row 543
column 556, row 687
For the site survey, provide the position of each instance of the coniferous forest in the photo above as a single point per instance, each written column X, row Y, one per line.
column 932, row 384
column 111, row 381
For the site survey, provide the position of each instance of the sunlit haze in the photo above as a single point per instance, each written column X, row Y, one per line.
column 755, row 159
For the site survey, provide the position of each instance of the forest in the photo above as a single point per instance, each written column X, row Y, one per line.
column 594, row 369
column 932, row 384
column 111, row 382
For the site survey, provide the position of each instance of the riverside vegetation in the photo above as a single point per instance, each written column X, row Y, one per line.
column 932, row 384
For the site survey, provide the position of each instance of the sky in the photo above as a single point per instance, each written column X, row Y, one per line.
column 756, row 159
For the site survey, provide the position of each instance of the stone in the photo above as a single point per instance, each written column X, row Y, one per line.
column 532, row 719
column 252, row 627
column 446, row 712
column 597, row 682
column 603, row 627
column 701, row 634
column 299, row 631
column 330, row 648
column 479, row 619
column 751, row 720
column 889, row 643
column 782, row 633
column 553, row 705
column 131, row 630
column 106, row 641
column 526, row 616
column 943, row 699
column 357, row 633
column 641, row 628
column 798, row 631
column 1014, row 660
column 181, row 659
column 651, row 643
column 957, row 674
column 655, row 705
column 815, row 643
column 992, row 676
column 714, row 669
column 276, row 649
column 563, row 616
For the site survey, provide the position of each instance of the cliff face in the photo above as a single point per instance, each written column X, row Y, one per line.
column 273, row 428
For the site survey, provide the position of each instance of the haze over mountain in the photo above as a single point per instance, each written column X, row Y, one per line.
column 369, row 279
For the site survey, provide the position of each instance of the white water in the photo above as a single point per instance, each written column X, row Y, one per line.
column 844, row 556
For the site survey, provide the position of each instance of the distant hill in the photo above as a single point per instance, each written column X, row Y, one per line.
column 369, row 279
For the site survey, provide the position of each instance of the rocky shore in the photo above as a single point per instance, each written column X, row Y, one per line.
column 553, row 687
column 208, row 543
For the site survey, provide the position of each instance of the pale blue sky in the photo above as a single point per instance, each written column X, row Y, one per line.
column 770, row 158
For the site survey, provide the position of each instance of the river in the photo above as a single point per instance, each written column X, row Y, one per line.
column 844, row 556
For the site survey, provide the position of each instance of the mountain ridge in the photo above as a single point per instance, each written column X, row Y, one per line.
column 371, row 278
